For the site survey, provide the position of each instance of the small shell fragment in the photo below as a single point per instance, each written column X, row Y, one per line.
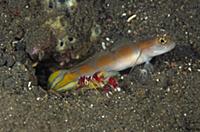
column 131, row 17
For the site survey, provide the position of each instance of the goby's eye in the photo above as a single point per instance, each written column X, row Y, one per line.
column 162, row 40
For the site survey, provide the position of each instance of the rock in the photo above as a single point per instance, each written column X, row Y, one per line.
column 2, row 58
column 10, row 60
column 20, row 56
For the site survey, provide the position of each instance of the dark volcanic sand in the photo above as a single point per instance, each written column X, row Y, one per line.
column 168, row 101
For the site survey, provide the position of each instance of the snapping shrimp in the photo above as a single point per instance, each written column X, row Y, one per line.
column 127, row 55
